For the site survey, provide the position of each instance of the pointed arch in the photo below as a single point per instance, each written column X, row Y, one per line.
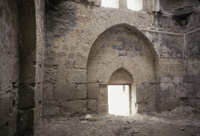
column 96, row 27
column 121, row 47
column 120, row 76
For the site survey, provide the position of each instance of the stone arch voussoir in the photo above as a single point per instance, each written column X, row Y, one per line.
column 93, row 29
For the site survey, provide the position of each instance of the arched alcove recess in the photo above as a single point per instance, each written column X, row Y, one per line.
column 121, row 46
column 121, row 77
column 98, row 25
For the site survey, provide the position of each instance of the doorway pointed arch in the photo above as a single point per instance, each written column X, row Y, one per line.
column 120, row 46
column 121, row 93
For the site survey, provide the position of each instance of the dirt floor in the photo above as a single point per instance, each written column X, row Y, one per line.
column 178, row 122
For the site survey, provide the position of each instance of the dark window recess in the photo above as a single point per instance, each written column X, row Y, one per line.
column 182, row 15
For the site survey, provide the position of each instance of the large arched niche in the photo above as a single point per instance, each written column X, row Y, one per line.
column 98, row 25
column 121, row 47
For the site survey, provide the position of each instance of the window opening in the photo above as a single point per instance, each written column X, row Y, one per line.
column 110, row 3
column 135, row 5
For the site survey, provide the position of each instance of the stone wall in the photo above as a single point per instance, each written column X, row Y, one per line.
column 27, row 67
column 40, row 39
column 85, row 44
column 169, row 6
column 9, row 67
column 120, row 47
column 31, row 16
column 192, row 53
column 73, row 30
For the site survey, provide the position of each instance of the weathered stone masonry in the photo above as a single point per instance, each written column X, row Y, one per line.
column 57, row 60
column 9, row 67
column 21, row 64
column 74, row 82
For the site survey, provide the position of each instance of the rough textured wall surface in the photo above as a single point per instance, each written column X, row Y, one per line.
column 27, row 79
column 31, row 16
column 120, row 47
column 192, row 78
column 72, row 28
column 169, row 6
column 40, row 37
column 9, row 67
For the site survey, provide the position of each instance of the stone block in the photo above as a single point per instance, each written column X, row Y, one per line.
column 51, row 108
column 189, row 79
column 15, row 70
column 92, row 105
column 166, row 79
column 197, row 79
column 193, row 90
column 103, row 108
column 78, row 106
column 192, row 46
column 198, row 103
column 38, row 94
column 140, row 93
column 183, row 102
column 167, row 86
column 4, row 131
column 12, row 124
column 165, row 93
column 192, row 102
column 4, row 106
column 177, row 80
column 146, row 97
column 181, row 92
column 25, row 121
column 171, row 67
column 98, row 2
column 69, row 63
column 92, row 75
column 50, row 74
column 141, row 107
column 62, row 72
column 77, row 76
column 122, row 53
column 168, row 104
column 65, row 92
column 151, row 97
column 48, row 62
column 197, row 91
column 81, row 91
column 93, row 91
column 193, row 67
column 81, row 60
column 48, row 91
column 27, row 74
column 26, row 96
column 172, row 95
column 103, row 94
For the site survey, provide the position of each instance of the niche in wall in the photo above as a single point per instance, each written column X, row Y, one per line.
column 121, row 50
